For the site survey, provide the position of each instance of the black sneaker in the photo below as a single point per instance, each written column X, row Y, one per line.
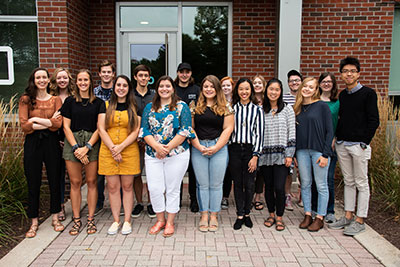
column 248, row 222
column 137, row 210
column 238, row 224
column 150, row 211
column 224, row 204
column 98, row 210
column 194, row 207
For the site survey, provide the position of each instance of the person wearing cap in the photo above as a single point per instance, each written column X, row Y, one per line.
column 188, row 92
column 294, row 81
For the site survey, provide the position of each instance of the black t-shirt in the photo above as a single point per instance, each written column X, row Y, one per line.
column 83, row 115
column 120, row 107
column 142, row 101
column 188, row 94
column 208, row 125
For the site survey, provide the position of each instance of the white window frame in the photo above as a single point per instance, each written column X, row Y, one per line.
column 10, row 58
column 177, row 29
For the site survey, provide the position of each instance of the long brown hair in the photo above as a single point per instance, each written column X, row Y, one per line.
column 31, row 90
column 219, row 106
column 174, row 97
column 299, row 97
column 334, row 91
column 54, row 90
column 130, row 102
column 77, row 94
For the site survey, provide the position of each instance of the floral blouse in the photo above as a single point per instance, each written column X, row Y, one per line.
column 165, row 124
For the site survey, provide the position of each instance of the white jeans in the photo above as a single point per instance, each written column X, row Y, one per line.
column 353, row 162
column 164, row 178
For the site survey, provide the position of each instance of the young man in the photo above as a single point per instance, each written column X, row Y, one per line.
column 294, row 81
column 143, row 95
column 188, row 92
column 358, row 121
column 103, row 91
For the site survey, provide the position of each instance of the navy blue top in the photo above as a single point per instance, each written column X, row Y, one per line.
column 314, row 128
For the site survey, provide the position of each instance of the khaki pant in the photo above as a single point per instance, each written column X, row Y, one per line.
column 353, row 162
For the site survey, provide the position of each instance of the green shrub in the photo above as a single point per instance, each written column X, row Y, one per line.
column 13, row 188
column 384, row 169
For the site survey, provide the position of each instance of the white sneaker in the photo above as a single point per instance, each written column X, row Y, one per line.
column 126, row 228
column 113, row 228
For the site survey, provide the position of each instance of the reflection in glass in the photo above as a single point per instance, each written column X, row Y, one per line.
column 205, row 40
column 3, row 66
column 22, row 38
column 148, row 17
column 18, row 7
column 151, row 55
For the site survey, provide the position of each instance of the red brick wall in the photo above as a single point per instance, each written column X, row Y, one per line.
column 332, row 30
column 102, row 33
column 52, row 33
column 253, row 41
column 78, row 35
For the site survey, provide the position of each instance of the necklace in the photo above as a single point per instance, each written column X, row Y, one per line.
column 306, row 107
column 87, row 102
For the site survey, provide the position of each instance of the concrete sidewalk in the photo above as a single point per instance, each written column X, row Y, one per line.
column 259, row 246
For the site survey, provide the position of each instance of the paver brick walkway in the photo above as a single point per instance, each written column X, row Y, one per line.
column 259, row 246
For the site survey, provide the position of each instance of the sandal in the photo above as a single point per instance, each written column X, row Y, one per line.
column 213, row 225
column 258, row 205
column 269, row 222
column 169, row 230
column 157, row 227
column 61, row 214
column 32, row 231
column 280, row 225
column 91, row 226
column 57, row 225
column 203, row 226
column 76, row 228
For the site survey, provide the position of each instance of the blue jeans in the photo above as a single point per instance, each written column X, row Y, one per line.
column 331, row 186
column 209, row 171
column 307, row 161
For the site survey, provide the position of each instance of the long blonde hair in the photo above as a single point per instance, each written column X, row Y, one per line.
column 220, row 106
column 54, row 90
column 299, row 97
column 77, row 94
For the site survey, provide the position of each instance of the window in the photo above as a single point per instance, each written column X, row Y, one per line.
column 18, row 45
column 205, row 40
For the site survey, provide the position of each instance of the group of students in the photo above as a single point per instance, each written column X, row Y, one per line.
column 226, row 131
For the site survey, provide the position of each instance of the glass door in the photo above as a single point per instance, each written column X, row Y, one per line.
column 154, row 49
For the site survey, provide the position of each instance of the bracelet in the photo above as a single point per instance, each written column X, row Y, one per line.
column 75, row 147
column 88, row 145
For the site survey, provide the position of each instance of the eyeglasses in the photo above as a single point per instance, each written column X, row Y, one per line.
column 295, row 81
column 326, row 82
column 353, row 71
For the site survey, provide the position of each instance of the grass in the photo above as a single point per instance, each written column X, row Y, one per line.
column 384, row 167
column 13, row 188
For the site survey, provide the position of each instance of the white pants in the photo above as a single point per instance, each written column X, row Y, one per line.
column 353, row 161
column 164, row 178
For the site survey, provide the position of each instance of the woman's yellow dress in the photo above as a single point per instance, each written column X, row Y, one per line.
column 118, row 132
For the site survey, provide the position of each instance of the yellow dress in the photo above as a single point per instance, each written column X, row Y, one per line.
column 118, row 132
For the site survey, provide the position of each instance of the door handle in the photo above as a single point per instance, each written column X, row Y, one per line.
column 166, row 54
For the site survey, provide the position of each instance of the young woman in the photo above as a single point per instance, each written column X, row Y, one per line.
column 40, row 120
column 259, row 89
column 213, row 123
column 81, row 148
column 166, row 125
column 62, row 85
column 118, row 126
column 329, row 94
column 314, row 136
column 246, row 146
column 227, row 85
column 278, row 151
